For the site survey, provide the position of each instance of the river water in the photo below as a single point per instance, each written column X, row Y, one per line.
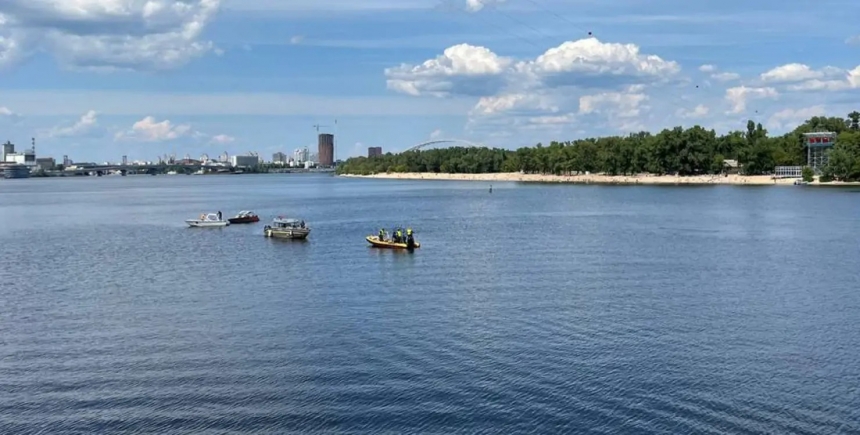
column 535, row 308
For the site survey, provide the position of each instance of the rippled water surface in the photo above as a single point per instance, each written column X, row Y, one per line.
column 545, row 309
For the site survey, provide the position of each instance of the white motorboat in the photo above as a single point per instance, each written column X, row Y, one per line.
column 207, row 220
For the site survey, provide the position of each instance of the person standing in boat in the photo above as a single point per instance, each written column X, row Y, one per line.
column 410, row 239
column 382, row 234
column 219, row 215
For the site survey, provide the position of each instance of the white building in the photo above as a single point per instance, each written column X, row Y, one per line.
column 8, row 155
column 244, row 161
column 301, row 155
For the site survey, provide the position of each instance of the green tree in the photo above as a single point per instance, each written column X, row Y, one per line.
column 808, row 174
column 689, row 151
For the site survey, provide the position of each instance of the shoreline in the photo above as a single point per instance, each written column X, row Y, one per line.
column 641, row 179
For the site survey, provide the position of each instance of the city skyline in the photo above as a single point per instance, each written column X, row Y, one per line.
column 216, row 75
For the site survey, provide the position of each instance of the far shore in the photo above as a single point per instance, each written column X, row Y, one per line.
column 641, row 179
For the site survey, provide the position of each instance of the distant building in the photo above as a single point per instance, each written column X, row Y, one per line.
column 26, row 158
column 279, row 158
column 46, row 163
column 301, row 155
column 124, row 160
column 244, row 161
column 731, row 166
column 374, row 151
column 326, row 149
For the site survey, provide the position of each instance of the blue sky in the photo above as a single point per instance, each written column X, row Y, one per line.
column 98, row 79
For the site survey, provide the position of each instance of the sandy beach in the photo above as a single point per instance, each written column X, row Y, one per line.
column 646, row 179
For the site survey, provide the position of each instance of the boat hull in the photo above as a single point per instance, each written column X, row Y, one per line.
column 375, row 242
column 15, row 171
column 244, row 220
column 287, row 233
column 195, row 223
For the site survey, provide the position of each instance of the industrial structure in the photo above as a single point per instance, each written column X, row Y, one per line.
column 818, row 146
column 326, row 149
column 17, row 164
column 374, row 151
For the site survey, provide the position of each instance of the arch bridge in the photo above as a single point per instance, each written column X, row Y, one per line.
column 430, row 143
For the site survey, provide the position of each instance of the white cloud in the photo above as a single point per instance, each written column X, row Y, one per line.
column 107, row 34
column 297, row 39
column 524, row 103
column 461, row 69
column 624, row 105
column 436, row 134
column 790, row 118
column 477, row 71
column 222, row 139
column 707, row 68
column 854, row 40
column 477, row 5
column 795, row 72
column 149, row 130
column 87, row 125
column 831, row 79
column 6, row 112
column 699, row 111
column 740, row 95
column 725, row 76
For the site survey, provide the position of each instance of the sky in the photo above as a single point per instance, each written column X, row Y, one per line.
column 99, row 79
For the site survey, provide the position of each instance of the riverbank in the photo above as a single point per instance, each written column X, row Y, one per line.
column 642, row 179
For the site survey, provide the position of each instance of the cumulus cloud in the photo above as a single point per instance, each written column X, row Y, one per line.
column 700, row 111
column 740, row 95
column 624, row 105
column 707, row 68
column 150, row 130
column 791, row 118
column 107, row 34
column 461, row 69
column 575, row 81
column 827, row 79
column 795, row 72
column 87, row 125
column 436, row 134
column 477, row 71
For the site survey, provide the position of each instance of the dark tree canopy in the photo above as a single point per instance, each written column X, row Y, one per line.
column 680, row 151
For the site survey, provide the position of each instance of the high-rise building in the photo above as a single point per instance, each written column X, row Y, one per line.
column 326, row 149
column 124, row 160
column 8, row 148
column 279, row 158
column 374, row 151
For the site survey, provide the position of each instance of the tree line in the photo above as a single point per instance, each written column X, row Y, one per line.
column 690, row 151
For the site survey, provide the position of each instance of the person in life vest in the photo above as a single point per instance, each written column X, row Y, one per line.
column 399, row 236
column 382, row 234
column 410, row 241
